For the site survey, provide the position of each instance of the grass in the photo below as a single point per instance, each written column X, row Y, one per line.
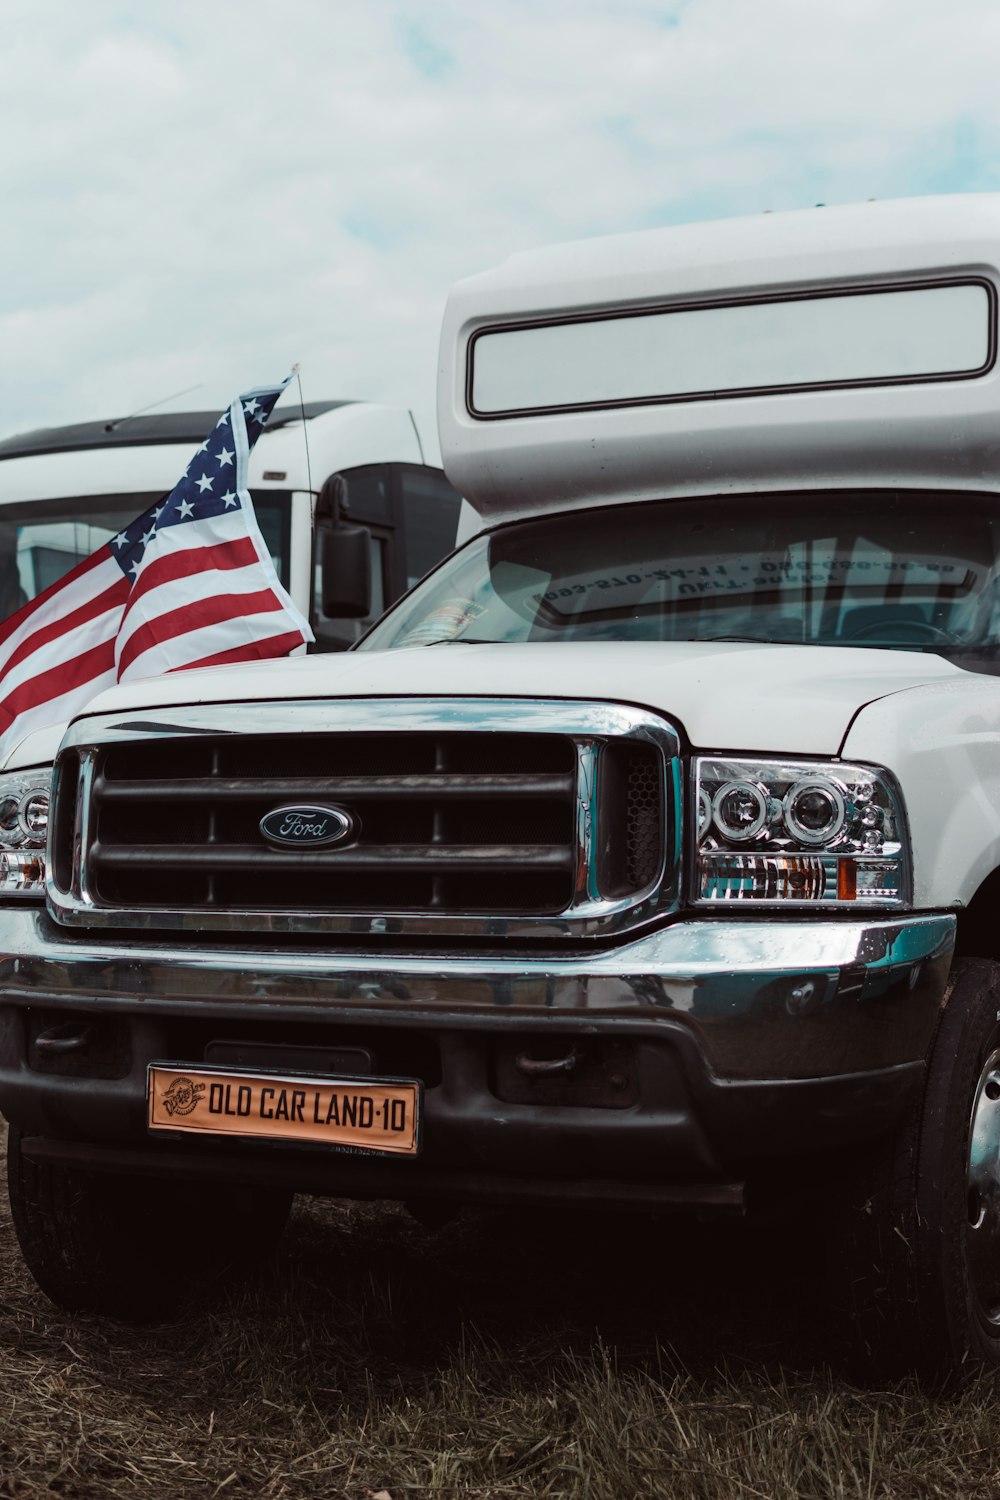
column 505, row 1354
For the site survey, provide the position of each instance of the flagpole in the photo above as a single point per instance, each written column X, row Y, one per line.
column 305, row 429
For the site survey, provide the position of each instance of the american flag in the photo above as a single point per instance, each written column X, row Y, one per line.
column 189, row 584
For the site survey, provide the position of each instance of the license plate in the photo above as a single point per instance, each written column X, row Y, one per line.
column 380, row 1115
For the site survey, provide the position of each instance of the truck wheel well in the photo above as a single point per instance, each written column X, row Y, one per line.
column 978, row 933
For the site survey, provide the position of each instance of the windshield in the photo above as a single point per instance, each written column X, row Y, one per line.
column 43, row 539
column 905, row 570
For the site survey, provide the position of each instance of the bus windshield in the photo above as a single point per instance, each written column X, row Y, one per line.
column 41, row 540
column 893, row 569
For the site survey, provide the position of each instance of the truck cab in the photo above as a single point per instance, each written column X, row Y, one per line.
column 645, row 855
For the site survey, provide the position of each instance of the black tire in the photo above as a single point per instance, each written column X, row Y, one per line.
column 922, row 1277
column 134, row 1248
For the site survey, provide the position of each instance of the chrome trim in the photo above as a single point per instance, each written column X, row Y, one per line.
column 731, row 981
column 590, row 724
column 588, row 897
column 81, row 825
column 683, row 955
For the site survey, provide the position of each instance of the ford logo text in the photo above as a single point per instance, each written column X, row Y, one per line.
column 306, row 827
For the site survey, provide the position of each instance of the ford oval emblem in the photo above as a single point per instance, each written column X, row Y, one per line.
column 306, row 827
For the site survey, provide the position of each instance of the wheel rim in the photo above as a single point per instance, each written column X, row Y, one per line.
column 983, row 1191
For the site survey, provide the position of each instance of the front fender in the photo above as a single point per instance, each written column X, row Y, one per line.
column 942, row 742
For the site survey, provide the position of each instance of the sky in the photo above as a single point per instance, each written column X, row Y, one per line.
column 198, row 194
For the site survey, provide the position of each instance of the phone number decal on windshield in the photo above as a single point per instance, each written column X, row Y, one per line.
column 702, row 578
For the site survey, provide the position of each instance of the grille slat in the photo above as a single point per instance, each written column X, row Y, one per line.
column 446, row 787
column 452, row 859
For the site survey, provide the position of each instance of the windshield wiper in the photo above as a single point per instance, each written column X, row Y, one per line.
column 463, row 640
column 753, row 640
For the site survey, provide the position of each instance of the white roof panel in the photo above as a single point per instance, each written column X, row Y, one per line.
column 888, row 419
column 343, row 438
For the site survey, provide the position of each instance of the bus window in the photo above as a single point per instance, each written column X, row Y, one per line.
column 369, row 494
column 430, row 519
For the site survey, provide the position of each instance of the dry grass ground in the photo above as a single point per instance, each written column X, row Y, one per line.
column 503, row 1355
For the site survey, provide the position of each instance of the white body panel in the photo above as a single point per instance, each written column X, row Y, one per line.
column 93, row 471
column 722, row 694
column 943, row 743
column 36, row 749
column 923, row 435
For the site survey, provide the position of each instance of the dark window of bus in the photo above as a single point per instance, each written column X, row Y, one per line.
column 430, row 518
column 274, row 517
column 368, row 495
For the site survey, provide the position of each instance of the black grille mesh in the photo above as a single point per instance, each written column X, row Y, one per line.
column 644, row 818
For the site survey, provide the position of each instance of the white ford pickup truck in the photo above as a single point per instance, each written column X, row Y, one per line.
column 646, row 854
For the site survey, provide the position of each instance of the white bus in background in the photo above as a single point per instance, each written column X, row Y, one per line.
column 64, row 491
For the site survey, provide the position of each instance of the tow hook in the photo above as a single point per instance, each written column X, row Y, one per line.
column 546, row 1067
column 67, row 1038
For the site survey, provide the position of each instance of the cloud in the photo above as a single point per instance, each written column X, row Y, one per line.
column 201, row 194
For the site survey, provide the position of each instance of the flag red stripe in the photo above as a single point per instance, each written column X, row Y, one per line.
column 15, row 620
column 116, row 594
column 194, row 616
column 275, row 645
column 58, row 680
column 240, row 553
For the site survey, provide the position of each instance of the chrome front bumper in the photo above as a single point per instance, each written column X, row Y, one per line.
column 741, row 1044
column 781, row 998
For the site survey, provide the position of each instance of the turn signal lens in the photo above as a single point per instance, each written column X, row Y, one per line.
column 22, row 873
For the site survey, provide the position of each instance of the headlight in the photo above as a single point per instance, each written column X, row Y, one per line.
column 24, row 820
column 798, row 832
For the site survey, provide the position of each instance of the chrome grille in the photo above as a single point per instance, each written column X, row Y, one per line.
column 471, row 811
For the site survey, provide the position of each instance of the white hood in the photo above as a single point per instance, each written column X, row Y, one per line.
column 36, row 749
column 725, row 695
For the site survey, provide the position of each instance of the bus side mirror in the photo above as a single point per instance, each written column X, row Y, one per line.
column 346, row 571
column 344, row 555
